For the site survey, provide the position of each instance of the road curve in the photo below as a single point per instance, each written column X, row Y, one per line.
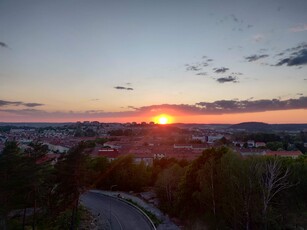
column 121, row 215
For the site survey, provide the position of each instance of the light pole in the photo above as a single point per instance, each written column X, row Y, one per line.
column 111, row 187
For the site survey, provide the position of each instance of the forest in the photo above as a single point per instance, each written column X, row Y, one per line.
column 218, row 190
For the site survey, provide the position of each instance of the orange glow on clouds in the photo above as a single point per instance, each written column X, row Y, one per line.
column 273, row 117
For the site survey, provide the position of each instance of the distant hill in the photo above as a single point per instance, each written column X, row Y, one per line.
column 202, row 126
column 289, row 127
column 264, row 127
column 252, row 127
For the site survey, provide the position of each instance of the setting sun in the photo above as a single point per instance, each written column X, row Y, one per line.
column 163, row 119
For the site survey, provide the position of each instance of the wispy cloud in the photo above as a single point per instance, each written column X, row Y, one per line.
column 198, row 66
column 132, row 107
column 201, row 108
column 4, row 45
column 202, row 74
column 297, row 48
column 279, row 54
column 299, row 28
column 237, row 73
column 296, row 58
column 263, row 50
column 255, row 57
column 19, row 103
column 247, row 106
column 221, row 70
column 94, row 111
column 231, row 18
column 35, row 114
column 193, row 68
column 123, row 88
column 258, row 38
column 230, row 106
column 200, row 70
column 237, row 23
column 227, row 79
column 24, row 112
column 32, row 104
column 235, row 19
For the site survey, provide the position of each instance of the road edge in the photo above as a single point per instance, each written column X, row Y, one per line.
column 129, row 203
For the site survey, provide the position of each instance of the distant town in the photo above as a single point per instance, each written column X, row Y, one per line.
column 184, row 176
column 149, row 141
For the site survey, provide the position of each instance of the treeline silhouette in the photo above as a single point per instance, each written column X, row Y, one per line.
column 218, row 190
column 222, row 190
column 36, row 194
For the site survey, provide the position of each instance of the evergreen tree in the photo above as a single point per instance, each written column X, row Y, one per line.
column 71, row 175
column 12, row 183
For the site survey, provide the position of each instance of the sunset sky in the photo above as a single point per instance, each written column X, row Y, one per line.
column 199, row 61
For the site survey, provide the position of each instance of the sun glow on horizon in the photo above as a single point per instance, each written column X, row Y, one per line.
column 163, row 119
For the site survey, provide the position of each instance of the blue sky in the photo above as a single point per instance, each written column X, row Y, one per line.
column 103, row 59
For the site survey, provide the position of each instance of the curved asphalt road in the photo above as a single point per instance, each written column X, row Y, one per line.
column 123, row 216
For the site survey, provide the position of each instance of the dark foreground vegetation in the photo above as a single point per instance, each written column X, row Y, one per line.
column 221, row 190
column 36, row 195
column 218, row 190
